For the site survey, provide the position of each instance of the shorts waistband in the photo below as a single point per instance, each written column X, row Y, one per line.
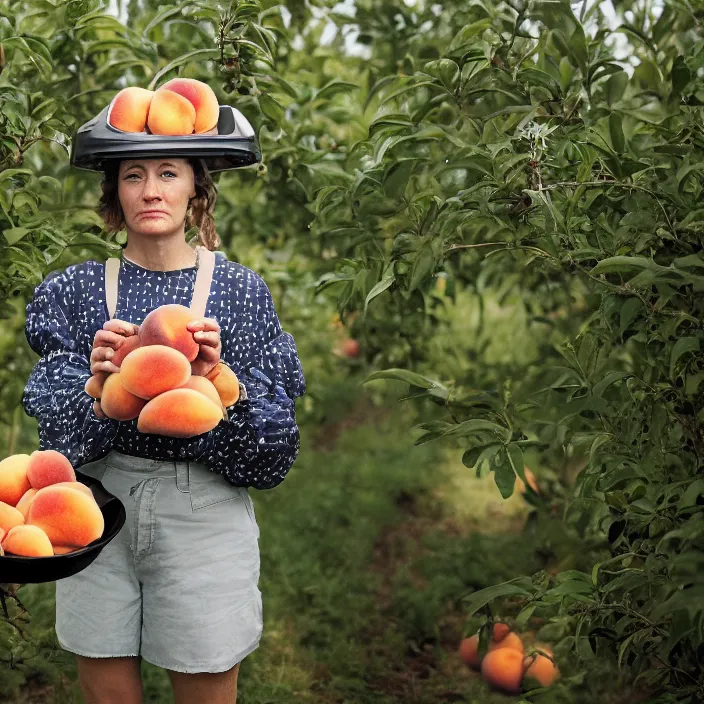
column 131, row 463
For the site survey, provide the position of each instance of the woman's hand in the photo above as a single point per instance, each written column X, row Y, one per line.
column 206, row 332
column 106, row 342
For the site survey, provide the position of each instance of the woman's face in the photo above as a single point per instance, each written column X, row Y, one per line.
column 163, row 185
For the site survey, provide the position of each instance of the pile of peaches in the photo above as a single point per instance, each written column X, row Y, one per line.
column 504, row 663
column 44, row 511
column 155, row 384
column 181, row 106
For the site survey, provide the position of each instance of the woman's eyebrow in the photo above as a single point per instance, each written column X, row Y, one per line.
column 163, row 163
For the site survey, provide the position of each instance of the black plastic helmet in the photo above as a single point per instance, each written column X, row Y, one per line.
column 234, row 146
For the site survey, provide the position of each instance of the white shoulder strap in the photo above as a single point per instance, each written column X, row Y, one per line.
column 112, row 273
column 204, row 277
column 201, row 288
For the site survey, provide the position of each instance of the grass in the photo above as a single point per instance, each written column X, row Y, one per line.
column 366, row 548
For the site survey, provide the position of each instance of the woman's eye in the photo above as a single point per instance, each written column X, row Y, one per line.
column 162, row 173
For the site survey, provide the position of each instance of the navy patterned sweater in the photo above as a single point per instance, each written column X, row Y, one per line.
column 258, row 443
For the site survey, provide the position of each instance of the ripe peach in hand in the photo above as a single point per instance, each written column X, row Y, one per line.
column 225, row 382
column 126, row 346
column 47, row 467
column 152, row 369
column 13, row 478
column 28, row 541
column 179, row 413
column 94, row 385
column 166, row 325
column 118, row 403
column 205, row 387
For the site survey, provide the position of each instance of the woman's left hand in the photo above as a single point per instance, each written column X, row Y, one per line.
column 206, row 332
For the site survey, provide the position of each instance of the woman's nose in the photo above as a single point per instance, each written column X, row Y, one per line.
column 151, row 187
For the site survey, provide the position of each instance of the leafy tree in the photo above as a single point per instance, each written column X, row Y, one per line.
column 541, row 161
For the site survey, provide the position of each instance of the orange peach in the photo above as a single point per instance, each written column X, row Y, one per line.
column 226, row 383
column 77, row 486
column 179, row 413
column 205, row 387
column 94, row 385
column 469, row 647
column 203, row 99
column 129, row 109
column 118, row 403
column 13, row 478
column 503, row 670
column 166, row 325
column 63, row 549
column 126, row 345
column 28, row 541
column 511, row 640
column 67, row 516
column 48, row 467
column 152, row 369
column 541, row 668
column 10, row 516
column 24, row 503
column 170, row 113
column 520, row 485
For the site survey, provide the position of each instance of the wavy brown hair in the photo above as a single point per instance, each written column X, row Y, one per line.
column 200, row 208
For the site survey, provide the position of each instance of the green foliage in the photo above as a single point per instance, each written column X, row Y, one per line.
column 512, row 159
column 512, row 149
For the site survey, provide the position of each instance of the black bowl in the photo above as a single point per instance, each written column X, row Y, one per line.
column 33, row 570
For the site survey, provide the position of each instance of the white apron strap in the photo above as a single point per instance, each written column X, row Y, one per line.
column 201, row 288
column 204, row 277
column 112, row 272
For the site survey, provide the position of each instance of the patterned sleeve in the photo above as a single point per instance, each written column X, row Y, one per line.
column 54, row 392
column 259, row 443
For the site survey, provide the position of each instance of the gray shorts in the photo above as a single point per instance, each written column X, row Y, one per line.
column 178, row 584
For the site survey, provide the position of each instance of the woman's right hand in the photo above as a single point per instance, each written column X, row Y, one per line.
column 105, row 343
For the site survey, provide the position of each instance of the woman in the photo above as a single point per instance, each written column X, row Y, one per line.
column 178, row 585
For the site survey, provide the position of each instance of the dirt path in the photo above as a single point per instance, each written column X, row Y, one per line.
column 430, row 670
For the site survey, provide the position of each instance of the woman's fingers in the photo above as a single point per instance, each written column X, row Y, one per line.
column 121, row 327
column 204, row 325
column 100, row 360
column 107, row 338
column 212, row 339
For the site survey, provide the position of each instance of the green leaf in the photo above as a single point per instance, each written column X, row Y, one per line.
column 15, row 234
column 403, row 375
column 622, row 264
column 618, row 141
column 446, row 71
column 422, row 268
column 505, row 474
column 477, row 425
column 334, row 87
column 516, row 587
column 385, row 283
column 202, row 54
column 681, row 347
